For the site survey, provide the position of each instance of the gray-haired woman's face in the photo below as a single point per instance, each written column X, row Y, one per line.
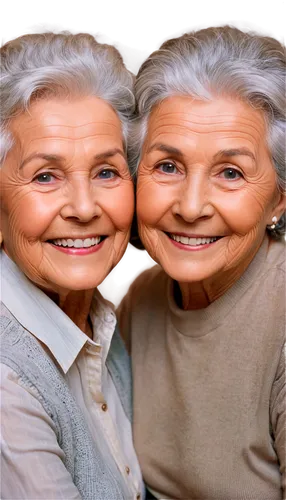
column 206, row 187
column 67, row 196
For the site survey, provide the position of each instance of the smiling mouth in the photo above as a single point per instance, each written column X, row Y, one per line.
column 78, row 242
column 193, row 241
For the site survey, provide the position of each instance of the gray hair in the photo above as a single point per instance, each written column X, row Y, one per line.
column 50, row 65
column 214, row 62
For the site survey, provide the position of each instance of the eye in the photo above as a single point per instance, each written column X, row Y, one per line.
column 106, row 174
column 231, row 174
column 167, row 168
column 44, row 178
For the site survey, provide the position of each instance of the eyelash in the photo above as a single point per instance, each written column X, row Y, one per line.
column 165, row 164
column 234, row 170
column 109, row 170
column 43, row 174
column 224, row 170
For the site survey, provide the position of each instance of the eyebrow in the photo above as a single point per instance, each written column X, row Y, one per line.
column 165, row 149
column 222, row 153
column 234, row 152
column 59, row 159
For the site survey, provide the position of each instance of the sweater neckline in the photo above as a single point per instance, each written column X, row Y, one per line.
column 200, row 322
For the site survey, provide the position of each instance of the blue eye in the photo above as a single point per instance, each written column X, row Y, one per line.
column 44, row 178
column 168, row 168
column 231, row 174
column 106, row 174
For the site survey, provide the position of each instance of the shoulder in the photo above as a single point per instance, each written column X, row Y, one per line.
column 6, row 317
column 277, row 397
column 150, row 277
column 272, row 276
column 276, row 254
column 264, row 298
column 15, row 339
column 16, row 394
column 11, row 330
column 147, row 285
column 145, row 298
column 23, row 355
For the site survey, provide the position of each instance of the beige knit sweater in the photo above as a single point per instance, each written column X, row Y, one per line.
column 209, row 385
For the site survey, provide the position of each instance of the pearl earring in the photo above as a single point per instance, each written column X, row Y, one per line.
column 274, row 222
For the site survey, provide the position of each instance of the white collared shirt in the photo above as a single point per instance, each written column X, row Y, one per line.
column 30, row 452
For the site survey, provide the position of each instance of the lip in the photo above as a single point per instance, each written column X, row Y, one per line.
column 194, row 248
column 78, row 251
column 76, row 237
column 188, row 235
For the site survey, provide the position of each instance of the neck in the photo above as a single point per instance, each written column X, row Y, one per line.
column 198, row 295
column 76, row 305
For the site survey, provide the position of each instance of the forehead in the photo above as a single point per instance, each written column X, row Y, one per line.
column 221, row 118
column 66, row 119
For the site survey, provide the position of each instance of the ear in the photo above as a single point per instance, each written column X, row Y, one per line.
column 279, row 207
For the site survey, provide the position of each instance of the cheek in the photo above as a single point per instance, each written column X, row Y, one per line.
column 244, row 211
column 119, row 205
column 28, row 213
column 153, row 201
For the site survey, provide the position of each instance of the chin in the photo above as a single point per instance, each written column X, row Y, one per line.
column 188, row 273
column 75, row 283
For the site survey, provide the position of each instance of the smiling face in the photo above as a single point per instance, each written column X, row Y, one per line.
column 206, row 188
column 67, row 196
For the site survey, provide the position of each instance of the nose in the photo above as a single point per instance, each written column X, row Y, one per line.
column 194, row 200
column 82, row 203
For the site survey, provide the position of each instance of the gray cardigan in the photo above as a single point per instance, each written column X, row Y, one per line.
column 23, row 353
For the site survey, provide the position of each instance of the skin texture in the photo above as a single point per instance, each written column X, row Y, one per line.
column 205, row 170
column 80, row 195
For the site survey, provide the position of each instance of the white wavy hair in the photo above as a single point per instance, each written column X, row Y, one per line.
column 213, row 62
column 44, row 65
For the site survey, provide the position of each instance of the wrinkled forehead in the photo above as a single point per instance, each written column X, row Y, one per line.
column 184, row 116
column 66, row 119
column 58, row 127
column 69, row 113
column 76, row 131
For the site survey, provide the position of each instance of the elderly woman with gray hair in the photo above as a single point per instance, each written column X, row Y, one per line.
column 67, row 204
column 206, row 330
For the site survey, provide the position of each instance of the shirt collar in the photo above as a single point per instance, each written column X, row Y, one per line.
column 37, row 313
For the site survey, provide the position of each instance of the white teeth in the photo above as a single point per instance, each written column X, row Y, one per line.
column 184, row 240
column 87, row 243
column 77, row 243
column 193, row 241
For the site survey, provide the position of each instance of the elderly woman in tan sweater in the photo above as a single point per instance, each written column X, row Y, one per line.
column 206, row 327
